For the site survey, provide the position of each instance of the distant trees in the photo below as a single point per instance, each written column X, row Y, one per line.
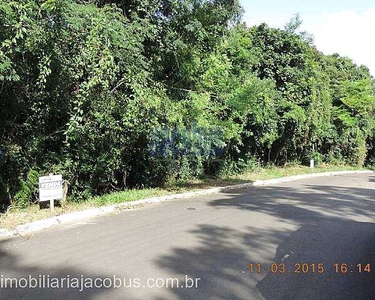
column 119, row 94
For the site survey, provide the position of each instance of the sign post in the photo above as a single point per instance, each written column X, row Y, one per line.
column 50, row 189
column 312, row 164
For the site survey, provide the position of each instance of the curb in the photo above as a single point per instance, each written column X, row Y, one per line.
column 105, row 210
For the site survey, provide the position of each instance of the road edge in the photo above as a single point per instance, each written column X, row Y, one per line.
column 32, row 227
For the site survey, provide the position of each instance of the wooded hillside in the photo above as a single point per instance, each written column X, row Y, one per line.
column 123, row 94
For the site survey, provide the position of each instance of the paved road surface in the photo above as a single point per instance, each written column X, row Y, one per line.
column 319, row 221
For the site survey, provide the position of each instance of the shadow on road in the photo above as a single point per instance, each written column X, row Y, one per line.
column 220, row 261
column 346, row 243
column 315, row 224
column 12, row 267
column 302, row 223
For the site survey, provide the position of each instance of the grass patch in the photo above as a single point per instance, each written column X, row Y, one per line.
column 17, row 216
column 291, row 170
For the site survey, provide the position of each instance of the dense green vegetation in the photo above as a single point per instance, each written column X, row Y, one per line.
column 129, row 93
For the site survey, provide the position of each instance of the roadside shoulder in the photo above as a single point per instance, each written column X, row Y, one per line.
column 105, row 210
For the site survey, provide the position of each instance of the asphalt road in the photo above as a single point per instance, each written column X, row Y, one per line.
column 212, row 240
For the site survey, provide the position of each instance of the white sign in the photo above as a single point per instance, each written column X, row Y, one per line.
column 50, row 188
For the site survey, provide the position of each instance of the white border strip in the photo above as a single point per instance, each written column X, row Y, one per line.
column 105, row 210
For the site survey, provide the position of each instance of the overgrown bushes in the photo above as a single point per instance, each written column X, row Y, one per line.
column 120, row 94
